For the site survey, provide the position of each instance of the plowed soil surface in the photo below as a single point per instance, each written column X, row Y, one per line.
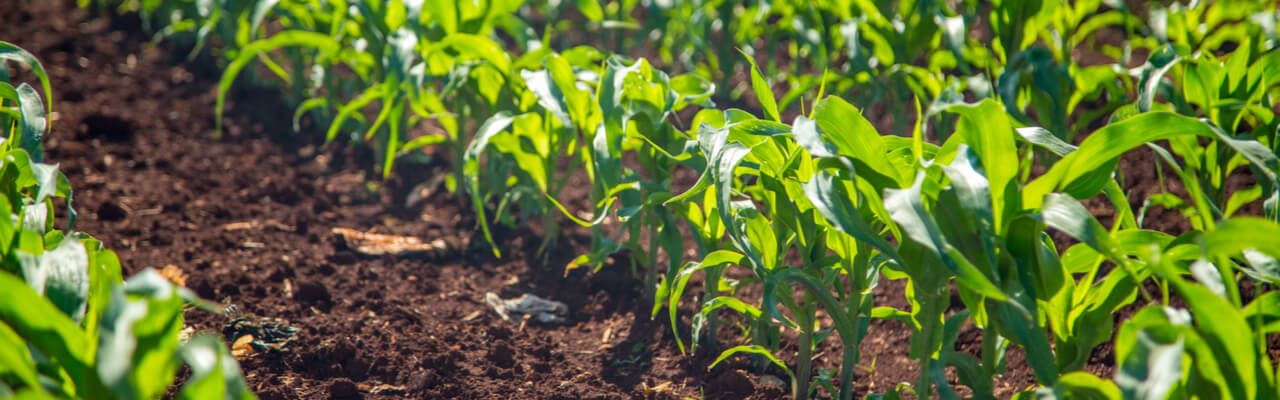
column 249, row 218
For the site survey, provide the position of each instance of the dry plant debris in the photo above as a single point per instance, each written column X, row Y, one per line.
column 515, row 310
column 376, row 244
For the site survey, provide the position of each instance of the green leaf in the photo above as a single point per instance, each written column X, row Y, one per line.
column 1151, row 370
column 477, row 47
column 34, row 123
column 676, row 290
column 810, row 139
column 752, row 349
column 733, row 303
column 1043, row 138
column 891, row 314
column 260, row 11
column 1224, row 329
column 420, row 142
column 548, row 94
column 104, row 273
column 396, row 15
column 320, row 42
column 443, row 13
column 1207, row 274
column 1264, row 311
column 11, row 52
column 62, row 275
column 831, row 198
column 1157, row 65
column 590, row 9
column 307, row 105
column 1238, row 234
column 46, row 180
column 1020, row 317
column 854, row 137
column 764, row 93
column 1258, row 154
column 722, row 166
column 1065, row 213
column 970, row 225
column 15, row 359
column 215, row 374
column 988, row 131
column 1076, row 173
column 693, row 89
column 907, row 209
column 45, row 327
column 137, row 355
column 1262, row 267
column 352, row 109
column 1083, row 385
column 471, row 168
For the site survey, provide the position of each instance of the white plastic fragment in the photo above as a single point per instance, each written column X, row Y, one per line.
column 527, row 305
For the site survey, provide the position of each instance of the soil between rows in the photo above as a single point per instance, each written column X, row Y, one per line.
column 249, row 218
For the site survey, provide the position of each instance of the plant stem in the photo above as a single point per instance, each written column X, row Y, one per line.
column 990, row 340
column 712, row 285
column 924, row 388
column 800, row 384
column 847, row 363
column 761, row 338
column 651, row 272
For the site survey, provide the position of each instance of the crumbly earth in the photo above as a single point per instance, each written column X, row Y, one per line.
column 249, row 218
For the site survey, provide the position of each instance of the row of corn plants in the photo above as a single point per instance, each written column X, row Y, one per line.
column 70, row 325
column 890, row 52
column 819, row 208
column 966, row 217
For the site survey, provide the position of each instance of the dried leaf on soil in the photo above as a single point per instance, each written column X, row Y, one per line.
column 174, row 274
column 375, row 244
column 242, row 348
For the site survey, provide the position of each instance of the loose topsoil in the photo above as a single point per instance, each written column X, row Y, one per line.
column 248, row 217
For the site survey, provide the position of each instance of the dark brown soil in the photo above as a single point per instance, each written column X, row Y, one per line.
column 249, row 218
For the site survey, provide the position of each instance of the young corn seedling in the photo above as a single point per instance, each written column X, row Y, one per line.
column 817, row 210
column 70, row 327
column 765, row 151
column 634, row 102
column 538, row 141
column 1214, row 348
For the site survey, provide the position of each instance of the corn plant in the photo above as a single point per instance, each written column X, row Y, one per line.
column 818, row 209
column 975, row 220
column 70, row 327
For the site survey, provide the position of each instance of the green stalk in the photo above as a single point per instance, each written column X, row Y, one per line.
column 851, row 355
column 804, row 355
column 931, row 328
column 548, row 213
column 1164, row 292
column 552, row 229
column 924, row 386
column 990, row 356
column 712, row 285
column 459, row 146
column 847, row 363
column 853, row 308
column 651, row 270
column 845, row 327
column 761, row 338
column 724, row 48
